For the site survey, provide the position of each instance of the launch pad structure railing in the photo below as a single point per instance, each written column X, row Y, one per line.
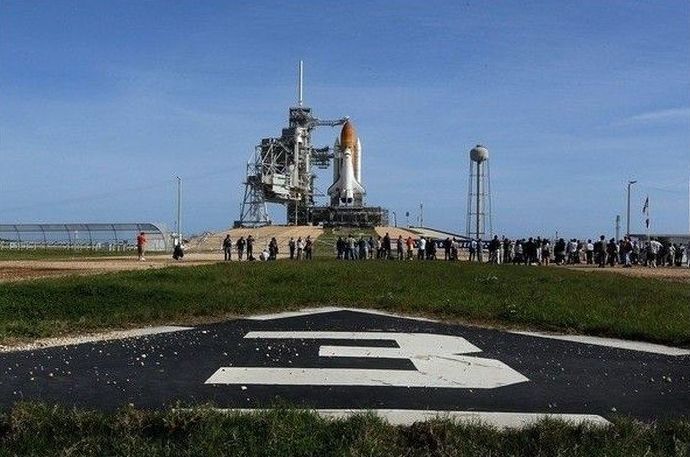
column 99, row 236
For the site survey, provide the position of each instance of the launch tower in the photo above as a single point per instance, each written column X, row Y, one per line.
column 280, row 170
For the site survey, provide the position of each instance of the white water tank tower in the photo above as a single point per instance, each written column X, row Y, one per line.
column 478, row 218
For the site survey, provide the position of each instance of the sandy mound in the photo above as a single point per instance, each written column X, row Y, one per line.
column 212, row 242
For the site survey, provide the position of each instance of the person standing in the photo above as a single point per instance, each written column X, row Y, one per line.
column 545, row 252
column 612, row 252
column 421, row 248
column 655, row 249
column 273, row 249
column 494, row 244
column 447, row 244
column 250, row 247
column 300, row 248
column 227, row 248
column 399, row 248
column 292, row 245
column 340, row 248
column 350, row 248
column 410, row 247
column 178, row 252
column 600, row 251
column 362, row 248
column 589, row 252
column 308, row 247
column 387, row 246
column 240, row 247
column 530, row 252
column 626, row 252
column 455, row 249
column 141, row 246
column 430, row 248
column 473, row 250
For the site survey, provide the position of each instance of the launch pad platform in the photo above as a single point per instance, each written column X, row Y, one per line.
column 349, row 216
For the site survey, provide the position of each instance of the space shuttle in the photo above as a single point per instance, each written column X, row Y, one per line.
column 347, row 189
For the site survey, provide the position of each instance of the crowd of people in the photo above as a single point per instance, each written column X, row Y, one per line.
column 381, row 247
column 602, row 252
column 530, row 251
column 299, row 249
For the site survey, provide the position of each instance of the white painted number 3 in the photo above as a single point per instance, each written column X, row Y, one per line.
column 436, row 358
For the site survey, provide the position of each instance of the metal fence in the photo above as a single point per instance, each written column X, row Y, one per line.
column 111, row 237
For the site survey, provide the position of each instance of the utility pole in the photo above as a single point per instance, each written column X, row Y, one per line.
column 627, row 220
column 179, row 210
column 421, row 214
column 395, row 219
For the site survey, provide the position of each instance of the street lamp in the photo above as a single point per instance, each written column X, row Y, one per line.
column 627, row 221
column 179, row 210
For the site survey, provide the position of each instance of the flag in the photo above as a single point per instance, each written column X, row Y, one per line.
column 645, row 208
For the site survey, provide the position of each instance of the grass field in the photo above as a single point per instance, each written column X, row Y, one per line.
column 325, row 244
column 39, row 430
column 58, row 254
column 531, row 297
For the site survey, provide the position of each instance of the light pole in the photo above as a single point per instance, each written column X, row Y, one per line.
column 627, row 220
column 179, row 210
column 395, row 219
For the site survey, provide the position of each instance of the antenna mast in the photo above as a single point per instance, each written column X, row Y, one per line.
column 300, row 83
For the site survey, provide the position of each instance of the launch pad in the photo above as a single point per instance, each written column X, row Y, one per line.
column 353, row 216
column 281, row 171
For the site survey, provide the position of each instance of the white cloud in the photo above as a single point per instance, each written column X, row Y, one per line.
column 671, row 114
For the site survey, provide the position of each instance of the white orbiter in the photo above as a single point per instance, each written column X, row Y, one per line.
column 347, row 189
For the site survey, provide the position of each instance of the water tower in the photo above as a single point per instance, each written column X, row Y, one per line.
column 479, row 195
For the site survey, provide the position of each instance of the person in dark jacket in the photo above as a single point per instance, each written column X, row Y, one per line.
column 227, row 248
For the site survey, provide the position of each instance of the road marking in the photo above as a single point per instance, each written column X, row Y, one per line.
column 331, row 309
column 631, row 345
column 435, row 358
column 611, row 342
column 500, row 420
column 97, row 337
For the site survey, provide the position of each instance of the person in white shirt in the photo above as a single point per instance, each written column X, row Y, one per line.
column 300, row 248
column 421, row 249
column 589, row 252
column 654, row 247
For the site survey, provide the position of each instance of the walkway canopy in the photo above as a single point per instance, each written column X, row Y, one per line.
column 90, row 236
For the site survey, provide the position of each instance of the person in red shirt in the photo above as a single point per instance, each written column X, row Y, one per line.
column 141, row 246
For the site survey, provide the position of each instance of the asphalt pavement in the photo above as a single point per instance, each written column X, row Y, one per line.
column 345, row 359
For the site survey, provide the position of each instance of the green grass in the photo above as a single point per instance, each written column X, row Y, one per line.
column 39, row 430
column 517, row 296
column 325, row 243
column 58, row 254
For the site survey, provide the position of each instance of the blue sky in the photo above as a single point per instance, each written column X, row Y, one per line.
column 102, row 103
